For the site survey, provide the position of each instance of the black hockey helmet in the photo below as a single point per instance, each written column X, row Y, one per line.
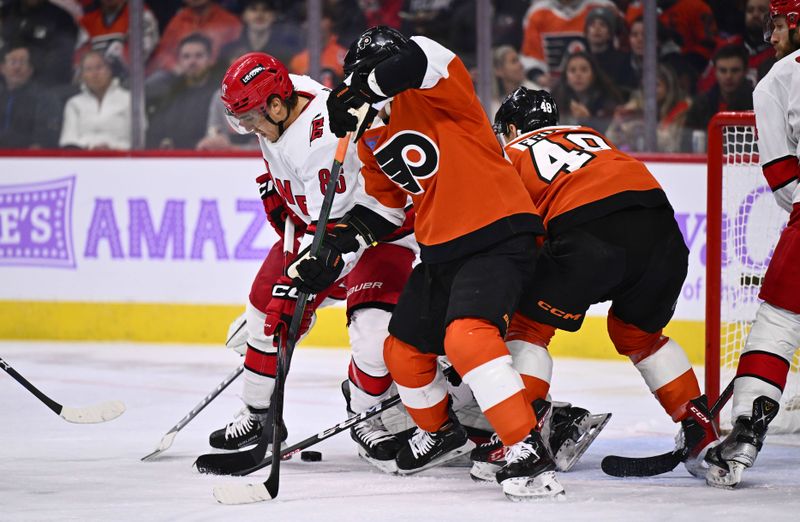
column 527, row 109
column 371, row 48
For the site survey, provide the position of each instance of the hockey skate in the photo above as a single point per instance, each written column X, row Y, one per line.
column 376, row 444
column 572, row 431
column 245, row 430
column 487, row 459
column 696, row 436
column 728, row 460
column 529, row 472
column 426, row 450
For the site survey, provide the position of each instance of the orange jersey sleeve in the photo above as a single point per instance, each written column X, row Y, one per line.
column 574, row 174
column 439, row 148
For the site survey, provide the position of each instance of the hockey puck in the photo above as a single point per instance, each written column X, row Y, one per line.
column 310, row 456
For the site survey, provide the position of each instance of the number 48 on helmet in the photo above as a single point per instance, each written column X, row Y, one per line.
column 527, row 110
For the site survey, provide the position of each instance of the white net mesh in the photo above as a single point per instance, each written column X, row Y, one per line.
column 751, row 224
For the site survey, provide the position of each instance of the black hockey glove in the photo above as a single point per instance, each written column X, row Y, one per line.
column 350, row 107
column 315, row 274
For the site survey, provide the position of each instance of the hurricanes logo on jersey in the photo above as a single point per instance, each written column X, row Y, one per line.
column 408, row 157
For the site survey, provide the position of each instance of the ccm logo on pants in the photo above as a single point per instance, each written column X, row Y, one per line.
column 559, row 313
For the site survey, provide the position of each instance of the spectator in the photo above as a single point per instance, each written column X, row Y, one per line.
column 552, row 30
column 199, row 16
column 178, row 104
column 382, row 12
column 733, row 91
column 601, row 31
column 29, row 116
column 752, row 38
column 692, row 21
column 332, row 52
column 220, row 135
column 627, row 128
column 73, row 7
column 164, row 10
column 668, row 54
column 349, row 21
column 506, row 28
column 106, row 30
column 585, row 96
column 265, row 32
column 46, row 30
column 429, row 18
column 509, row 75
column 729, row 15
column 99, row 117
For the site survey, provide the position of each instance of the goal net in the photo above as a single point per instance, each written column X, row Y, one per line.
column 744, row 223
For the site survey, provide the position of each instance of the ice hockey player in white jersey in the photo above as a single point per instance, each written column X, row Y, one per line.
column 775, row 334
column 289, row 115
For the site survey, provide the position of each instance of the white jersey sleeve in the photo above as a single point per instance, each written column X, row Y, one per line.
column 777, row 109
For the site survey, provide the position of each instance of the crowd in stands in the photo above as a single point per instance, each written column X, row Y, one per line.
column 64, row 64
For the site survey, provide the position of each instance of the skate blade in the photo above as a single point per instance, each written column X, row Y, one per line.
column 484, row 472
column 544, row 486
column 697, row 466
column 386, row 466
column 720, row 478
column 571, row 451
column 466, row 448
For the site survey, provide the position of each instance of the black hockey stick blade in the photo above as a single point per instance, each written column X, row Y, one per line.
column 241, row 463
column 617, row 466
column 232, row 463
column 640, row 466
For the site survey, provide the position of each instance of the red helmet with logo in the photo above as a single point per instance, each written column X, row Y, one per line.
column 251, row 80
column 788, row 8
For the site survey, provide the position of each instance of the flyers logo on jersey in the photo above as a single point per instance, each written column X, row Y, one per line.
column 408, row 157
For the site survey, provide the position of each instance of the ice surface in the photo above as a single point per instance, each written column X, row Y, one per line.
column 53, row 470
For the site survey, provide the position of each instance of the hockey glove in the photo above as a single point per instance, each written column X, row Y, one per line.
column 350, row 107
column 280, row 310
column 273, row 203
column 315, row 274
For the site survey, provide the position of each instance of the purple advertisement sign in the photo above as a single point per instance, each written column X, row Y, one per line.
column 35, row 224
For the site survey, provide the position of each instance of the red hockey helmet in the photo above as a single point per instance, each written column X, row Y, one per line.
column 251, row 80
column 788, row 8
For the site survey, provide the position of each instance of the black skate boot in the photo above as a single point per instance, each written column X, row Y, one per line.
column 376, row 444
column 529, row 473
column 696, row 436
column 487, row 459
column 571, row 431
column 425, row 449
column 739, row 450
column 245, row 430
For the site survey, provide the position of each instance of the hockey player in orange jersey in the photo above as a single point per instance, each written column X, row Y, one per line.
column 476, row 227
column 611, row 235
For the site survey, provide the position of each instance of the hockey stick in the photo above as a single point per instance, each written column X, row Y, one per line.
column 169, row 437
column 287, row 344
column 102, row 412
column 239, row 467
column 617, row 466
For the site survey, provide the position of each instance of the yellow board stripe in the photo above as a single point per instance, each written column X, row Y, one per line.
column 181, row 323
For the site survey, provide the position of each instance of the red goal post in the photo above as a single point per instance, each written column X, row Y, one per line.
column 743, row 225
